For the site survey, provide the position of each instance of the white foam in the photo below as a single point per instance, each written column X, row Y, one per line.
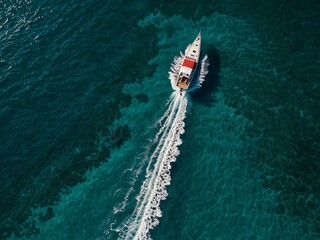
column 174, row 71
column 199, row 78
column 169, row 117
column 147, row 210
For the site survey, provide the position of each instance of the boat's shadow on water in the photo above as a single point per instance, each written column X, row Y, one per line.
column 204, row 94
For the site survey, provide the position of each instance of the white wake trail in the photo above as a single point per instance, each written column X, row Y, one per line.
column 164, row 150
column 164, row 128
column 200, row 77
column 147, row 211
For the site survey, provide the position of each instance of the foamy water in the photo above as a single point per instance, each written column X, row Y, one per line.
column 147, row 211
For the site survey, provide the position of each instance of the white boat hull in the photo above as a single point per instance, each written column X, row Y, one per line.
column 189, row 64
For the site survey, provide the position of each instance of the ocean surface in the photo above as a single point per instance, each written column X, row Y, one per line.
column 96, row 144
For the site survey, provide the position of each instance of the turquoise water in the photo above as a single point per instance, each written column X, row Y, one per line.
column 83, row 83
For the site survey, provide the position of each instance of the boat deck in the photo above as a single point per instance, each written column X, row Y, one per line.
column 183, row 82
column 189, row 64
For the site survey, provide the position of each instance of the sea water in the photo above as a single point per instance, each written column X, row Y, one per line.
column 84, row 98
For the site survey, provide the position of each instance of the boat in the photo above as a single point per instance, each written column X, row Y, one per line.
column 189, row 64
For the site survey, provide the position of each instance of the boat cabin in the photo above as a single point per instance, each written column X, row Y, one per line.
column 189, row 64
column 187, row 68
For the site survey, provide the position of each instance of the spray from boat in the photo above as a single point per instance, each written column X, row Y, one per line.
column 165, row 144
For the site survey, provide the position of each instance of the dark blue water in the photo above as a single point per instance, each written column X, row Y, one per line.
column 82, row 83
